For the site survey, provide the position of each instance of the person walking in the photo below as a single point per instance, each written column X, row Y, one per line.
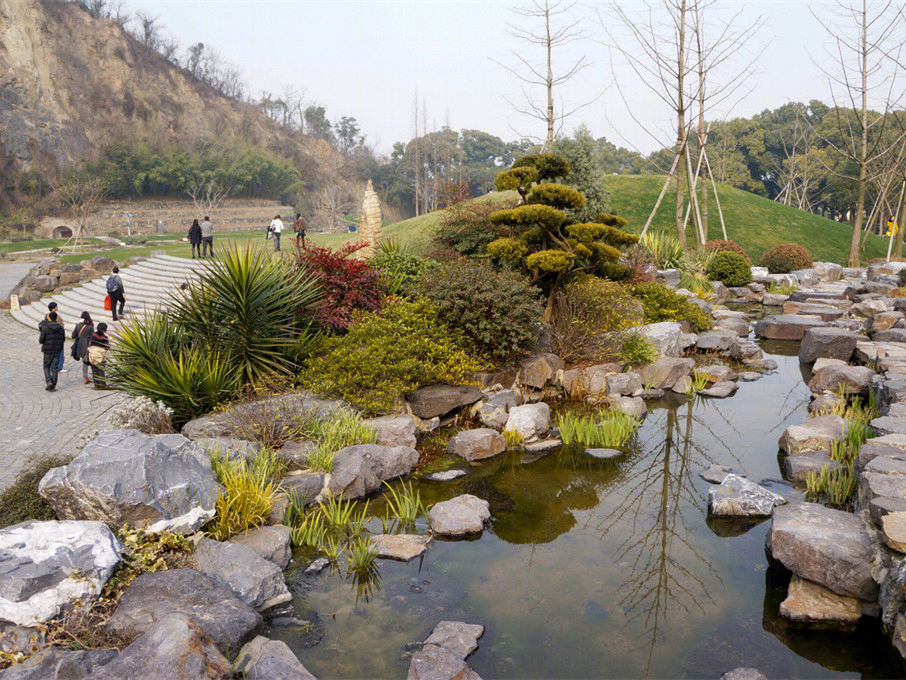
column 299, row 228
column 275, row 229
column 81, row 336
column 52, row 307
column 195, row 238
column 97, row 356
column 116, row 292
column 207, row 237
column 52, row 339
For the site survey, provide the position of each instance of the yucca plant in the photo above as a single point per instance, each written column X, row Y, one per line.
column 406, row 504
column 664, row 249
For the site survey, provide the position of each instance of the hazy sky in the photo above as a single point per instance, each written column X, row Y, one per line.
column 366, row 59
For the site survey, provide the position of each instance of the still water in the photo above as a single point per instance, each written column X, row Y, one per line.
column 597, row 569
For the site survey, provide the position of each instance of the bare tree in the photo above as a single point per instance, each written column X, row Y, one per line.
column 864, row 40
column 82, row 197
column 207, row 195
column 557, row 29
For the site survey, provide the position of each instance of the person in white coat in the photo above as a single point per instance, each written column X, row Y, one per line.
column 275, row 229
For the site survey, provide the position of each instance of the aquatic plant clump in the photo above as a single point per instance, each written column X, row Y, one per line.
column 603, row 428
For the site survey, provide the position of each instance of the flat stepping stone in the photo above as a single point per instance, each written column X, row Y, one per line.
column 445, row 476
column 884, row 505
column 786, row 326
column 477, row 444
column 749, row 376
column 402, row 547
column 808, row 601
column 893, row 531
column 603, row 454
column 739, row 497
column 797, row 467
column 465, row 514
column 716, row 473
column 544, row 446
column 889, row 425
column 815, row 434
column 720, row 390
column 459, row 637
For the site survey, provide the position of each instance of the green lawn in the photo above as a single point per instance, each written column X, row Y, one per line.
column 754, row 222
column 37, row 244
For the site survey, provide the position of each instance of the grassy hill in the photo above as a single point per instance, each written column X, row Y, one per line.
column 754, row 222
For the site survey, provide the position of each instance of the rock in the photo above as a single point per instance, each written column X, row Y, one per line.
column 883, row 505
column 807, row 277
column 153, row 596
column 744, row 673
column 668, row 277
column 738, row 497
column 797, row 467
column 852, row 379
column 305, row 485
column 631, row 406
column 603, row 454
column 231, row 446
column 174, row 647
column 402, row 547
column 445, row 476
column 47, row 565
column 496, row 409
column 889, row 425
column 830, row 547
column 823, row 312
column 477, row 444
column 688, row 340
column 256, row 581
column 883, row 476
column 893, row 530
column 891, row 335
column 785, row 327
column 539, row 370
column 876, row 269
column 720, row 390
column 463, row 514
column 317, row 566
column 57, row 663
column 748, row 376
column 734, row 324
column 459, row 637
column 664, row 373
column 358, row 470
column 596, row 378
column 394, row 430
column 808, row 601
column 296, row 452
column 437, row 663
column 716, row 373
column 270, row 542
column 45, row 284
column 264, row 659
column 831, row 343
column 884, row 321
column 438, row 400
column 69, row 278
column 160, row 482
column 665, row 336
column 774, row 300
column 99, row 263
column 868, row 308
column 825, row 403
column 683, row 385
column 574, row 382
column 720, row 292
column 746, row 351
column 529, row 420
column 815, row 434
column 624, row 383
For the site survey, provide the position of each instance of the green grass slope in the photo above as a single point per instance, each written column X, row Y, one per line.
column 754, row 222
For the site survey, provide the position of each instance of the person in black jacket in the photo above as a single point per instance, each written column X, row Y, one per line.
column 53, row 340
column 97, row 355
column 116, row 292
column 81, row 336
column 195, row 238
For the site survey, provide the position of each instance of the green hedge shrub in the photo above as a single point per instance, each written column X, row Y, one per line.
column 405, row 347
column 731, row 268
column 719, row 246
column 663, row 304
column 785, row 258
column 399, row 270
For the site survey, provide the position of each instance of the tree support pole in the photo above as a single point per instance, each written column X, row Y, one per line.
column 661, row 197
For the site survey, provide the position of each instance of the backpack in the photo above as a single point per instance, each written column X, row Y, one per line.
column 112, row 284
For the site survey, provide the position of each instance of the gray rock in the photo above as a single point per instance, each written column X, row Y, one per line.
column 683, row 385
column 797, row 468
column 256, row 581
column 459, row 637
column 45, row 284
column 744, row 674
column 738, row 497
column 358, row 470
column 596, row 378
column 624, row 383
column 540, row 370
column 631, row 406
column 394, row 430
column 734, row 324
column 890, row 335
column 830, row 547
column 477, row 444
column 264, row 659
column 852, row 379
column 888, row 445
column 785, row 326
column 402, row 547
column 889, row 425
column 438, row 400
column 668, row 277
column 831, row 343
column 825, row 403
column 716, row 373
column 720, row 292
column 773, row 300
column 529, row 420
column 445, row 476
column 884, row 321
column 868, row 308
column 465, row 514
column 815, row 434
column 270, row 542
column 807, row 277
column 233, row 447
column 295, row 452
column 304, row 485
column 603, row 454
column 883, row 476
column 720, row 390
column 883, row 505
column 162, row 482
column 543, row 446
column 665, row 336
column 716, row 473
column 827, row 271
column 153, row 596
column 823, row 312
column 496, row 408
column 663, row 373
column 438, row 663
column 174, row 647
column 102, row 264
column 317, row 566
column 748, row 376
column 746, row 351
column 811, row 602
column 56, row 663
column 47, row 565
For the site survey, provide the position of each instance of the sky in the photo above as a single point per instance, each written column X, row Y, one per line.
column 367, row 60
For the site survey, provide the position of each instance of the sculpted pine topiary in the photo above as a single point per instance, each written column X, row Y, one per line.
column 543, row 241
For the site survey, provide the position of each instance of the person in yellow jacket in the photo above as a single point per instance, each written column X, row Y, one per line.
column 892, row 228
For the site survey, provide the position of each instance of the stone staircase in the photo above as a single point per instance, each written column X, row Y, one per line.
column 148, row 285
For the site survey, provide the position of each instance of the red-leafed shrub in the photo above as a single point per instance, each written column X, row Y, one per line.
column 719, row 245
column 785, row 258
column 348, row 284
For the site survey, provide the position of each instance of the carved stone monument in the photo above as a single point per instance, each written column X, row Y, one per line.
column 370, row 225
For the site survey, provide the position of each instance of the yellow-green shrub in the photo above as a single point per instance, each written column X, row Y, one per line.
column 662, row 304
column 246, row 499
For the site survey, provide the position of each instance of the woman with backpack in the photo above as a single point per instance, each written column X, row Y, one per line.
column 81, row 338
column 97, row 355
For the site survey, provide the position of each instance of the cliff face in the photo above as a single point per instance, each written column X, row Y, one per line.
column 71, row 82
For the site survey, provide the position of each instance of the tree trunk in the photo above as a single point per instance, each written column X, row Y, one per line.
column 863, row 151
column 548, row 144
column 681, row 127
column 898, row 242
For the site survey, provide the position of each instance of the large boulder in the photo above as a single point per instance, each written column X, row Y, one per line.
column 358, row 470
column 665, row 335
column 57, row 663
column 153, row 596
column 160, row 482
column 45, row 284
column 529, row 420
column 265, row 659
column 665, row 372
column 830, row 547
column 798, row 467
column 828, row 271
column 883, row 477
column 494, row 411
column 624, row 383
column 459, row 637
column 738, row 497
column 394, row 430
column 785, row 326
column 811, row 602
column 718, row 340
column 851, row 379
column 256, row 581
column 174, row 647
column 270, row 542
column 815, row 434
column 540, row 370
column 438, row 400
column 47, row 565
column 465, row 514
column 830, row 343
column 889, row 425
column 477, row 444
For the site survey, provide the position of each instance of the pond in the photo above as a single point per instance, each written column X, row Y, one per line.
column 605, row 569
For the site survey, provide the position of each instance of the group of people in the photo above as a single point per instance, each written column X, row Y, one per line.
column 276, row 228
column 89, row 345
column 201, row 236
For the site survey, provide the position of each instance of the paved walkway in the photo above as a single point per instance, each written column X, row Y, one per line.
column 35, row 422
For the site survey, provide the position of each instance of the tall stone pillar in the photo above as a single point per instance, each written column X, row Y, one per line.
column 371, row 223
